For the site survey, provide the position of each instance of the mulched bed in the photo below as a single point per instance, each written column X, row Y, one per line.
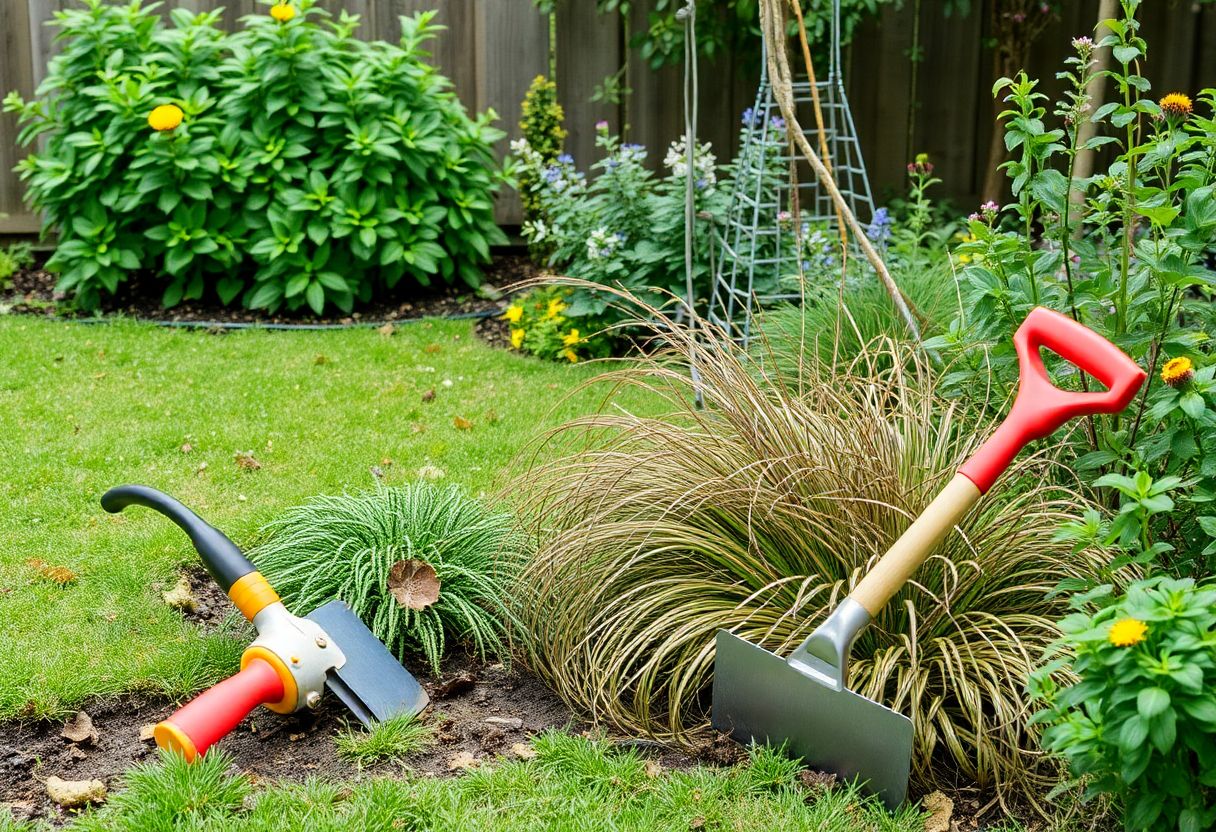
column 33, row 293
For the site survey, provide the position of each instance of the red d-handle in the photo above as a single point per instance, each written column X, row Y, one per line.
column 213, row 713
column 1040, row 406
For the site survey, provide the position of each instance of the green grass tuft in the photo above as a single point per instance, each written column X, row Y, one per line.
column 344, row 547
column 391, row 740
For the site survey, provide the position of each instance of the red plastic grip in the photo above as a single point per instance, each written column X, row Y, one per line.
column 1040, row 407
column 213, row 713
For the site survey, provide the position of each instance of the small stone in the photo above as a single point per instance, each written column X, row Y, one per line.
column 523, row 751
column 461, row 682
column 147, row 733
column 75, row 753
column 387, row 330
column 80, row 729
column 940, row 809
column 462, row 761
column 295, row 737
column 181, row 597
column 511, row 723
column 72, row 794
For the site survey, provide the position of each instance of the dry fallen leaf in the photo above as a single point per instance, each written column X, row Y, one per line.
column 653, row 769
column 80, row 729
column 387, row 330
column 433, row 348
column 940, row 809
column 462, row 761
column 462, row 423
column 181, row 597
column 246, row 462
column 386, row 462
column 60, row 575
column 429, row 395
column 187, row 448
column 413, row 583
column 431, row 473
column 523, row 751
column 71, row 794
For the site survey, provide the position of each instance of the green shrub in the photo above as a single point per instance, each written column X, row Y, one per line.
column 756, row 513
column 14, row 257
column 346, row 547
column 543, row 131
column 308, row 167
column 1139, row 722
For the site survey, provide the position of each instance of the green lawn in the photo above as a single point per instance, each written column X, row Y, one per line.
column 83, row 408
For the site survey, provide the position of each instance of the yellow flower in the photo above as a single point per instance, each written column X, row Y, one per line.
column 570, row 355
column 282, row 12
column 1176, row 105
column 964, row 259
column 514, row 313
column 1178, row 371
column 165, row 117
column 571, row 338
column 555, row 308
column 517, row 338
column 1127, row 632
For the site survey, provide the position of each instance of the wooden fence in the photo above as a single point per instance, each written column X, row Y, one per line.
column 494, row 48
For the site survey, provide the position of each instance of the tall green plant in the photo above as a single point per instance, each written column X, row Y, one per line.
column 418, row 564
column 288, row 164
column 1131, row 262
column 543, row 132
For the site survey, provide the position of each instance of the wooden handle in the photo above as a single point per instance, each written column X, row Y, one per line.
column 907, row 554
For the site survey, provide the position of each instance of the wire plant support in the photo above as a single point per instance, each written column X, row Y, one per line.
column 783, row 238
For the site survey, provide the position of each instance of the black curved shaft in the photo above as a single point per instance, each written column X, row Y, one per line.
column 220, row 555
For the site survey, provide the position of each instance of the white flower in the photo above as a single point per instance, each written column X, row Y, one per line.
column 535, row 230
column 704, row 163
column 601, row 244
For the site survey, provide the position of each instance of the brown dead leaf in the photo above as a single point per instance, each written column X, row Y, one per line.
column 387, row 330
column 429, row 395
column 60, row 575
column 940, row 809
column 653, row 769
column 455, row 685
column 462, row 423
column 246, row 462
column 413, row 583
column 462, row 761
column 80, row 729
column 433, row 348
column 523, row 751
column 187, row 448
column 386, row 463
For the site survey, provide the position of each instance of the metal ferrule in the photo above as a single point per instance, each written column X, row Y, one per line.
column 304, row 648
column 824, row 656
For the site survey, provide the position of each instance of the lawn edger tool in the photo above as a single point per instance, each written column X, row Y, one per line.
column 804, row 700
column 292, row 659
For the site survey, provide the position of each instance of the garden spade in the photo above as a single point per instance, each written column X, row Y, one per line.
column 291, row 661
column 803, row 700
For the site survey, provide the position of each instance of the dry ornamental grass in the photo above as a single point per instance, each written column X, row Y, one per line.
column 757, row 514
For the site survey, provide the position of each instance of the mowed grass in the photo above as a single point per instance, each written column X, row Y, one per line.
column 572, row 784
column 84, row 408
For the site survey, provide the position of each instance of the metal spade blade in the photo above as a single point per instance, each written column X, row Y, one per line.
column 762, row 697
column 371, row 683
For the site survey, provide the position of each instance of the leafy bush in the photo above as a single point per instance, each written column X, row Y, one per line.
column 756, row 513
column 542, row 126
column 12, row 258
column 1140, row 720
column 1127, row 253
column 538, row 325
column 285, row 164
column 376, row 551
column 626, row 227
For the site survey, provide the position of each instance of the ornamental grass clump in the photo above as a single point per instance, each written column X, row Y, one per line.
column 758, row 513
column 419, row 564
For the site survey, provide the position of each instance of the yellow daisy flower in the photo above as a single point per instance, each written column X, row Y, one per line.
column 570, row 355
column 1176, row 105
column 555, row 308
column 1178, row 371
column 282, row 12
column 1127, row 632
column 165, row 117
column 571, row 338
column 517, row 338
column 514, row 313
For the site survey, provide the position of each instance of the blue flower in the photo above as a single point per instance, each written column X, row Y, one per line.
column 749, row 116
column 777, row 123
column 552, row 174
column 565, row 159
column 879, row 230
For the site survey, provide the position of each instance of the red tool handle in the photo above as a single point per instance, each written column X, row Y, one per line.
column 213, row 713
column 1040, row 406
